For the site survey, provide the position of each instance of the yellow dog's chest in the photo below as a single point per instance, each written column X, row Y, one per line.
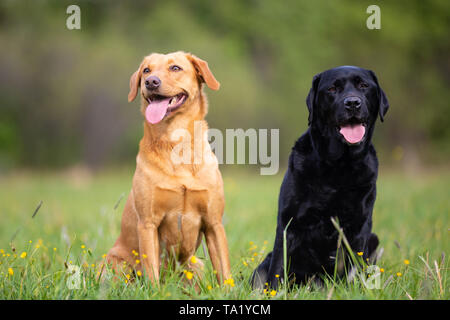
column 181, row 210
column 180, row 199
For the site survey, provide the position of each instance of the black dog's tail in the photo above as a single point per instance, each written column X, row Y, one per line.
column 260, row 275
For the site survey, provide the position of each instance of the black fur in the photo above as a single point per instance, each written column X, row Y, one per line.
column 328, row 177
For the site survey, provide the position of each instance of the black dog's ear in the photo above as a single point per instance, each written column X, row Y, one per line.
column 312, row 97
column 383, row 101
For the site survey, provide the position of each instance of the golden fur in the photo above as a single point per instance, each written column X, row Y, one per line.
column 171, row 205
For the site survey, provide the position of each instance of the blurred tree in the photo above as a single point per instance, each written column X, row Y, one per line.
column 63, row 92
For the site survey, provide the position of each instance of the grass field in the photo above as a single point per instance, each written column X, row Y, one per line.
column 80, row 218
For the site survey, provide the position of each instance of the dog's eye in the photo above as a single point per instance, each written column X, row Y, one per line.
column 332, row 89
column 175, row 68
column 363, row 85
column 146, row 70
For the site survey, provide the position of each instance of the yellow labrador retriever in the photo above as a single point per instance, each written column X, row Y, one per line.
column 172, row 203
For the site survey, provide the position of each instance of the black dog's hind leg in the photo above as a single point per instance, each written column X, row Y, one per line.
column 261, row 273
column 372, row 244
column 272, row 265
column 276, row 261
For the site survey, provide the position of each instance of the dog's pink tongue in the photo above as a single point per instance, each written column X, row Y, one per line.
column 353, row 133
column 156, row 110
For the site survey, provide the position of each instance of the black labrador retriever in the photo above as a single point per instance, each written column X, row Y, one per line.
column 332, row 172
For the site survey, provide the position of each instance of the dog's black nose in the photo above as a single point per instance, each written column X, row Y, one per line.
column 352, row 103
column 152, row 83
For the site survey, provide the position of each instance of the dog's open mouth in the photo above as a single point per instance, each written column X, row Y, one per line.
column 353, row 131
column 160, row 107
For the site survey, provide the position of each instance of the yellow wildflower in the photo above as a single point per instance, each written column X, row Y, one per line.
column 209, row 287
column 144, row 256
column 83, row 246
column 273, row 293
column 139, row 273
column 229, row 282
column 381, row 270
column 360, row 253
column 244, row 263
column 406, row 261
column 10, row 271
column 399, row 274
column 104, row 256
column 189, row 275
column 128, row 276
column 277, row 276
column 138, row 261
column 193, row 260
column 23, row 255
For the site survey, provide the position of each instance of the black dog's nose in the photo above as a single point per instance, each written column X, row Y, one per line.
column 152, row 83
column 352, row 103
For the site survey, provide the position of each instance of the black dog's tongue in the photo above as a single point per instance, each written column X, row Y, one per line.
column 353, row 133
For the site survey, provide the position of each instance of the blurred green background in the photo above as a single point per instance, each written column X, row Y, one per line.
column 69, row 138
column 63, row 93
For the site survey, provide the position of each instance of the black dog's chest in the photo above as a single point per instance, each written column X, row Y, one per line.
column 338, row 200
column 325, row 198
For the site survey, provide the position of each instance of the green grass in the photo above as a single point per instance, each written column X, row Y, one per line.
column 79, row 221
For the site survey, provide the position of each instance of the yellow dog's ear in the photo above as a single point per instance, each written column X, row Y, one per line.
column 203, row 72
column 134, row 84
